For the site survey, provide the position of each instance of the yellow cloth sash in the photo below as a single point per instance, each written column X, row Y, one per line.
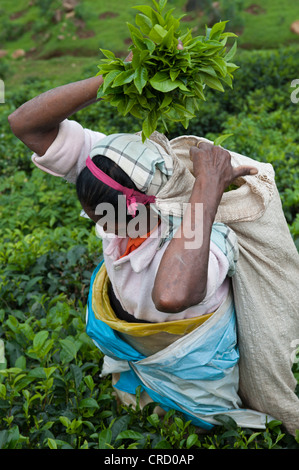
column 103, row 311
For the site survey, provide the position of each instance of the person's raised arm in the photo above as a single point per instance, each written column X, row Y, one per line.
column 36, row 122
column 181, row 279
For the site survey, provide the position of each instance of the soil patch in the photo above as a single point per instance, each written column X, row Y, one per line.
column 86, row 34
column 108, row 14
column 80, row 52
column 18, row 14
column 81, row 32
column 255, row 9
column 188, row 18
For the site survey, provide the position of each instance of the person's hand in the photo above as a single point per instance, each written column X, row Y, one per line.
column 212, row 164
column 180, row 45
column 129, row 57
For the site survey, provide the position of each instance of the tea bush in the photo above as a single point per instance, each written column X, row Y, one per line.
column 51, row 394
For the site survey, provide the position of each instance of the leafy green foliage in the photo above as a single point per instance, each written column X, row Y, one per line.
column 163, row 82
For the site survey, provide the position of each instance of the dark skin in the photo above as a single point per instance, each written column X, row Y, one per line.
column 181, row 279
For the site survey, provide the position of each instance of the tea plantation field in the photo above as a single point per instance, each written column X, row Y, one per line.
column 51, row 394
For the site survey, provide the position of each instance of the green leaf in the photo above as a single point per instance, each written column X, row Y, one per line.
column 2, row 392
column 146, row 10
column 231, row 52
column 38, row 373
column 231, row 67
column 157, row 34
column 149, row 125
column 182, row 111
column 151, row 46
column 139, row 43
column 139, row 56
column 13, row 437
column 51, row 443
column 162, row 82
column 140, row 78
column 174, row 74
column 198, row 89
column 153, row 419
column 168, row 40
column 119, row 424
column 153, row 15
column 40, row 339
column 136, row 112
column 109, row 79
column 208, row 32
column 192, row 439
column 123, row 77
column 22, row 383
column 129, row 435
column 212, row 82
column 121, row 104
column 144, row 22
column 220, row 65
column 108, row 54
column 129, row 105
column 166, row 101
column 217, row 28
column 228, row 35
column 88, row 403
column 77, row 374
column 105, row 437
column 253, row 436
column 182, row 86
column 135, row 31
column 179, row 422
column 226, row 421
column 157, row 18
column 68, row 351
column 221, row 139
column 274, row 423
column 65, row 421
column 89, row 382
column 227, row 80
column 156, row 4
column 170, row 20
column 162, row 4
column 163, row 445
column 209, row 70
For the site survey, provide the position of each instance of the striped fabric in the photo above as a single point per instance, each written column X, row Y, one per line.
column 147, row 164
column 225, row 239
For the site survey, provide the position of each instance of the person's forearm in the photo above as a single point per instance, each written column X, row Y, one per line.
column 181, row 279
column 41, row 116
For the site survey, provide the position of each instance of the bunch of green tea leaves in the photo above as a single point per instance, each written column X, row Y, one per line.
column 163, row 81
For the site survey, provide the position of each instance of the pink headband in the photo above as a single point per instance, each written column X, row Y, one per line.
column 132, row 197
